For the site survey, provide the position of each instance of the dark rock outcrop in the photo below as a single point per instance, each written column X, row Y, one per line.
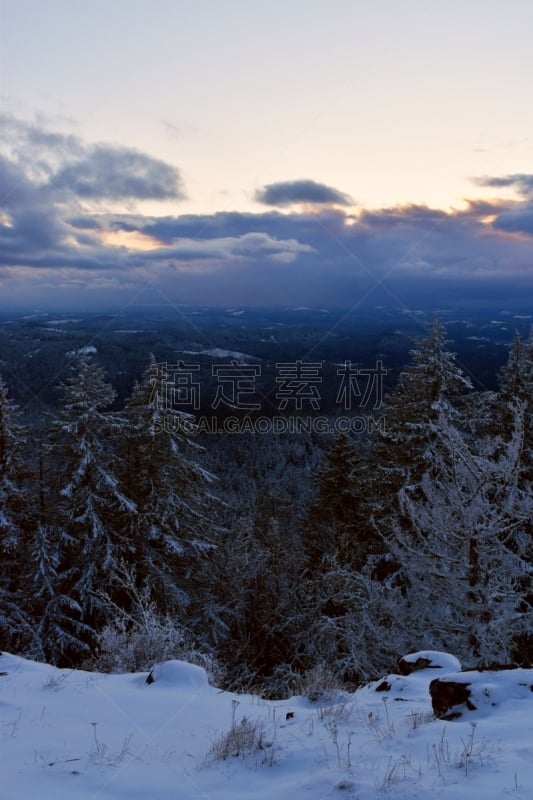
column 448, row 695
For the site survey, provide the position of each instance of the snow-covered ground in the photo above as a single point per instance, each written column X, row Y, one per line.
column 218, row 352
column 86, row 736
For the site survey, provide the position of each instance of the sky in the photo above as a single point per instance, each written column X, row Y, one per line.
column 283, row 153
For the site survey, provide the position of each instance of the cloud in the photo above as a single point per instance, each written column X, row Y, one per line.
column 60, row 226
column 44, row 174
column 517, row 220
column 63, row 163
column 229, row 251
column 512, row 216
column 286, row 193
column 118, row 173
column 522, row 182
column 85, row 223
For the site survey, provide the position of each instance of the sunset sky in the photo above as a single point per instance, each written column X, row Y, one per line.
column 250, row 152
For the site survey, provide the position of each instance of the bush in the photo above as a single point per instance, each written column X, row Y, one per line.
column 244, row 738
column 135, row 647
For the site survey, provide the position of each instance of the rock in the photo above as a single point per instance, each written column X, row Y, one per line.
column 447, row 695
column 484, row 692
column 344, row 785
column 178, row 674
column 427, row 659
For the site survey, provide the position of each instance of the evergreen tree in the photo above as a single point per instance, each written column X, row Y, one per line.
column 12, row 500
column 173, row 529
column 347, row 623
column 15, row 519
column 516, row 387
column 464, row 578
column 423, row 397
column 340, row 599
column 338, row 523
column 256, row 581
column 91, row 515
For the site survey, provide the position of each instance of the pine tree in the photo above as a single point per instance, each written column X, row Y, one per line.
column 348, row 623
column 15, row 519
column 338, row 523
column 12, row 499
column 464, row 577
column 516, row 387
column 91, row 515
column 424, row 396
column 173, row 529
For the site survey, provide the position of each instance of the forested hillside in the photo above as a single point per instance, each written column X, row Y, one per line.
column 270, row 559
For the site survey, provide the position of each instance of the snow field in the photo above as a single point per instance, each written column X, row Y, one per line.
column 81, row 735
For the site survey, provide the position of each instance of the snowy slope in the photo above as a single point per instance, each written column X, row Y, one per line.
column 83, row 736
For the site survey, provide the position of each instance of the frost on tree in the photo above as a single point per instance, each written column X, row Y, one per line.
column 13, row 524
column 516, row 386
column 464, row 577
column 426, row 392
column 92, row 511
column 173, row 528
column 11, row 470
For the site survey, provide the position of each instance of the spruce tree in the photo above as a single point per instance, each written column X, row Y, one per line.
column 516, row 388
column 174, row 527
column 338, row 524
column 12, row 499
column 15, row 521
column 91, row 514
column 425, row 394
column 464, row 577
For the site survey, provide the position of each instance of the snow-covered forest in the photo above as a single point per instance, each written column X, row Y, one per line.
column 264, row 559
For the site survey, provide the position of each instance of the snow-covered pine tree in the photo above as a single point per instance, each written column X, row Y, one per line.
column 341, row 601
column 514, row 406
column 516, row 387
column 338, row 523
column 424, row 395
column 92, row 514
column 15, row 519
column 12, row 499
column 348, row 623
column 464, row 580
column 427, row 397
column 174, row 527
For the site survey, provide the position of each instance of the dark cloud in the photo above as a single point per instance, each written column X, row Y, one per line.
column 116, row 173
column 38, row 151
column 85, row 223
column 286, row 193
column 17, row 191
column 302, row 226
column 57, row 236
column 480, row 209
column 399, row 216
column 61, row 163
column 228, row 250
column 522, row 182
column 512, row 217
column 517, row 220
column 42, row 175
